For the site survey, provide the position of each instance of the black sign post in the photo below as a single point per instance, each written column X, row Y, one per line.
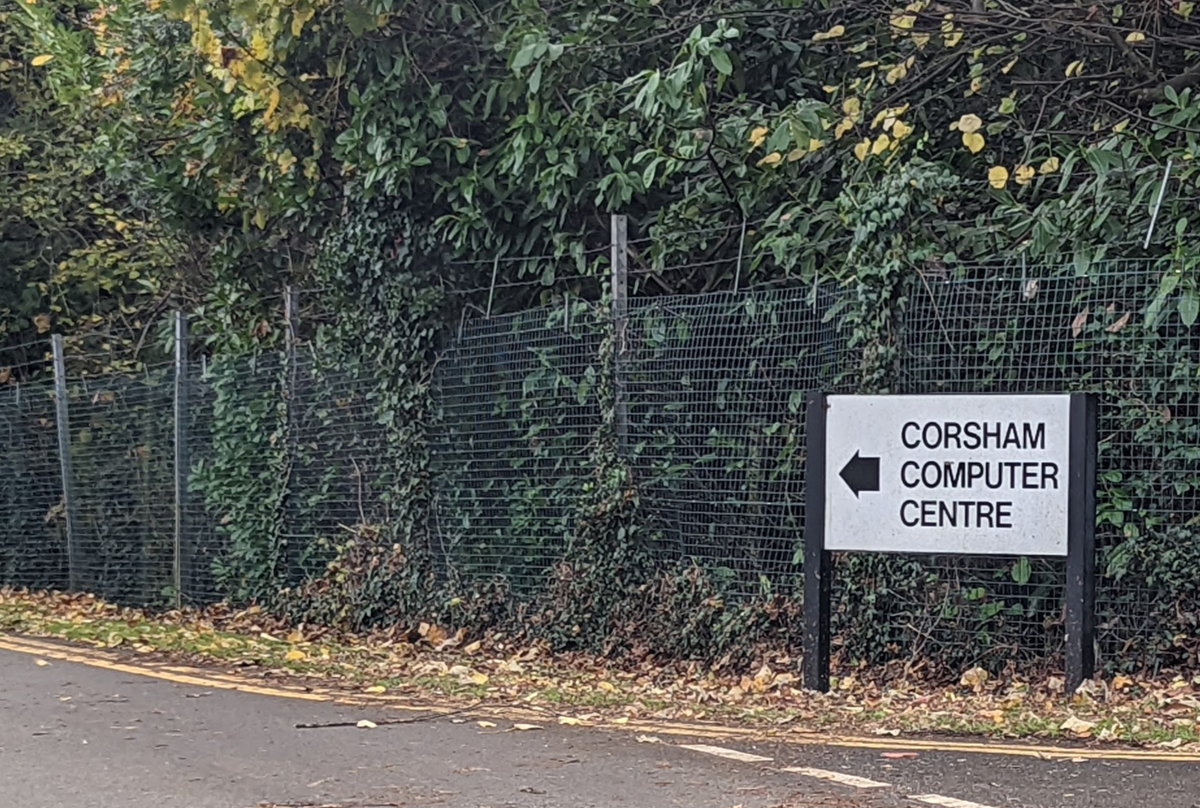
column 817, row 568
column 861, row 476
column 1081, row 543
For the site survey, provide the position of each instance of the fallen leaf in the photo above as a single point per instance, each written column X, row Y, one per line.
column 376, row 689
column 607, row 687
column 621, row 720
column 899, row 755
column 294, row 655
column 968, row 124
column 485, row 724
column 41, row 663
column 862, row 149
column 1078, row 727
column 525, row 727
column 833, row 33
column 648, row 739
column 998, row 177
column 975, row 679
column 1080, row 321
column 365, row 724
column 473, row 648
column 1049, row 166
column 974, row 142
column 892, row 732
column 569, row 721
column 1135, row 36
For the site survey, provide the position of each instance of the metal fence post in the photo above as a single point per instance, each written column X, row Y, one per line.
column 74, row 556
column 183, row 565
column 620, row 313
column 291, row 314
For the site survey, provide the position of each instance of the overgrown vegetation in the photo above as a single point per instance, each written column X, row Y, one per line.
column 423, row 163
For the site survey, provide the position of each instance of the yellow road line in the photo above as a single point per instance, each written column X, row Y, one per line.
column 196, row 677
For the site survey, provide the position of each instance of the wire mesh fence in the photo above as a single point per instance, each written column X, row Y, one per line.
column 716, row 388
column 518, row 407
column 291, row 456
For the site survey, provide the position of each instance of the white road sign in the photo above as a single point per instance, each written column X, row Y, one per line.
column 947, row 474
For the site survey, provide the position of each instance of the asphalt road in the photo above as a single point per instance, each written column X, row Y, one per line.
column 76, row 736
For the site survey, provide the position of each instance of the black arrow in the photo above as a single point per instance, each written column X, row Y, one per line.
column 862, row 474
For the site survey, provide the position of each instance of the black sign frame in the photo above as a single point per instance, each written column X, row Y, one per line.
column 1080, row 655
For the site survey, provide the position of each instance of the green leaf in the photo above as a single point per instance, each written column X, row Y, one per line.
column 721, row 61
column 1021, row 571
column 1189, row 307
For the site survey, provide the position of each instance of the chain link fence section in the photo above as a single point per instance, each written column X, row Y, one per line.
column 33, row 541
column 122, row 455
column 1004, row 329
column 518, row 409
column 716, row 397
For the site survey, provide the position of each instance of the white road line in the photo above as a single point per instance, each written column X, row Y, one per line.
column 720, row 751
column 946, row 802
column 837, row 777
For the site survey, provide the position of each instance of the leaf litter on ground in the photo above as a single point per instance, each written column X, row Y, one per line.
column 432, row 663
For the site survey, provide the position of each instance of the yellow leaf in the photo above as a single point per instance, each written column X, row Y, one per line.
column 525, row 727
column 479, row 678
column 953, row 38
column 301, row 16
column 1009, row 65
column 974, row 141
column 842, row 128
column 1185, row 9
column 607, row 687
column 42, row 59
column 896, row 73
column 833, row 33
column 1135, row 36
column 771, row 159
column 1075, row 68
column 904, row 22
column 294, row 655
column 376, row 689
column 900, row 129
column 795, row 154
column 42, row 321
column 41, row 663
column 830, row 88
column 1049, row 166
column 920, row 40
column 485, row 724
column 1024, row 174
column 852, row 107
column 365, row 724
column 881, row 144
column 862, row 149
column 272, row 104
column 1120, row 127
column 757, row 135
column 814, row 144
column 967, row 124
column 1120, row 681
column 568, row 721
column 998, row 177
column 867, row 65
